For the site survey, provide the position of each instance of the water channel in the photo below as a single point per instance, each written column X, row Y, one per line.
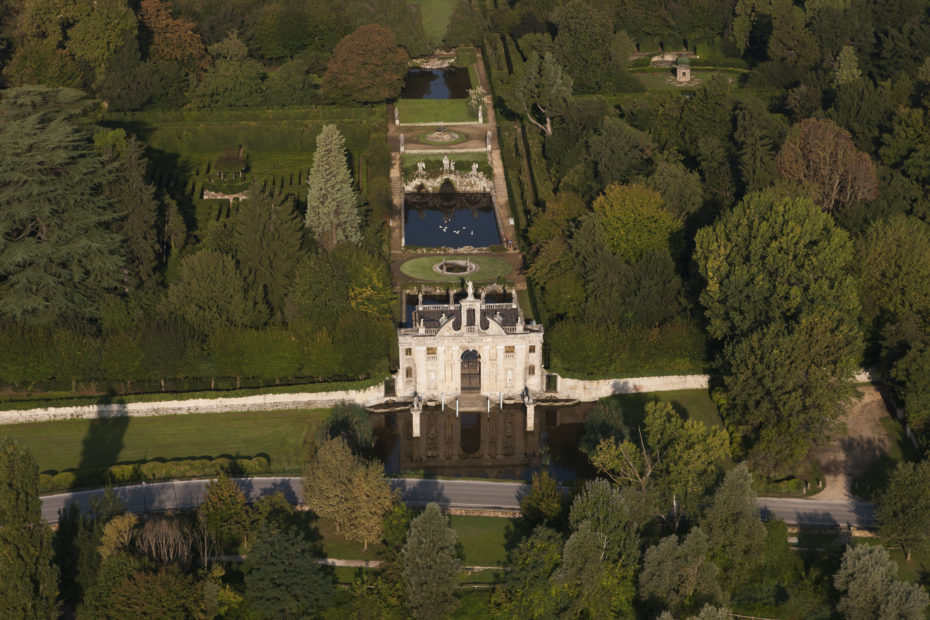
column 484, row 444
column 450, row 220
column 451, row 83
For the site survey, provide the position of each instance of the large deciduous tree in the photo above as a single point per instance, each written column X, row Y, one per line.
column 671, row 457
column 366, row 66
column 819, row 153
column 233, row 80
column 903, row 507
column 735, row 532
column 894, row 270
column 679, row 576
column 332, row 215
column 431, row 565
column 539, row 89
column 781, row 301
column 224, row 512
column 30, row 580
column 169, row 39
column 633, row 220
column 868, row 581
column 57, row 248
column 283, row 578
column 353, row 493
column 327, row 481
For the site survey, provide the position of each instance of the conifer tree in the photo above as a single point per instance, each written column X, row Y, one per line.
column 135, row 198
column 266, row 238
column 57, row 250
column 431, row 565
column 332, row 216
column 28, row 577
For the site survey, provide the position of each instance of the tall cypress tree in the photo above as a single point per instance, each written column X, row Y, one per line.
column 431, row 565
column 135, row 198
column 266, row 238
column 57, row 250
column 332, row 215
column 30, row 580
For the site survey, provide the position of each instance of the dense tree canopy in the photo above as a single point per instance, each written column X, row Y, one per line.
column 779, row 296
column 30, row 580
column 366, row 66
column 58, row 251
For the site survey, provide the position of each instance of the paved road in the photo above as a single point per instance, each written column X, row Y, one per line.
column 187, row 494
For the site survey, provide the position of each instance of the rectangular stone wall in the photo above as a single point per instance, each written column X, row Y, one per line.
column 260, row 402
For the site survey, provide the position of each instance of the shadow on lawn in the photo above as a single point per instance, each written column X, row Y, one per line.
column 103, row 442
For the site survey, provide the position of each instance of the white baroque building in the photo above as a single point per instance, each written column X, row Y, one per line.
column 470, row 348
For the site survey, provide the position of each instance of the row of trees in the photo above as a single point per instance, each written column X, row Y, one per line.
column 102, row 279
column 788, row 225
column 662, row 534
column 208, row 55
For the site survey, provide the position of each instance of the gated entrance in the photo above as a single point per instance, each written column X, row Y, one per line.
column 471, row 371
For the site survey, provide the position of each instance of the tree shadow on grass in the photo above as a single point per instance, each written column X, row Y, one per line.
column 103, row 442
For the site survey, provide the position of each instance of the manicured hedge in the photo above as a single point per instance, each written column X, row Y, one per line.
column 128, row 473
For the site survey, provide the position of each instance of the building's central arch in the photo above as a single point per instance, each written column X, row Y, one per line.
column 471, row 371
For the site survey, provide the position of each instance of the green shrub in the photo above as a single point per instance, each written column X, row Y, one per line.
column 789, row 486
column 242, row 466
column 153, row 470
column 63, row 480
column 220, row 464
column 123, row 473
column 465, row 56
column 46, row 483
column 258, row 465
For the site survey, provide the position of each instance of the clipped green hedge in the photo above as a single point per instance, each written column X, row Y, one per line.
column 128, row 473
column 789, row 486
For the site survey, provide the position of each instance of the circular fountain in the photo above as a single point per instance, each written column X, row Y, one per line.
column 455, row 267
column 442, row 135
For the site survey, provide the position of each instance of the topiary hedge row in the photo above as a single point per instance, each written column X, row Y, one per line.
column 128, row 473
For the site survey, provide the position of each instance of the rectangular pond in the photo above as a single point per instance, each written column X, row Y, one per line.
column 451, row 83
column 454, row 220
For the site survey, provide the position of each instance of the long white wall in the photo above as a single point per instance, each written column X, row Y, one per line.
column 588, row 390
column 260, row 402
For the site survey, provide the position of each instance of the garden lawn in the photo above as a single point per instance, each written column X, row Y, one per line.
column 489, row 268
column 285, row 436
column 448, row 111
column 694, row 404
column 434, row 16
column 483, row 539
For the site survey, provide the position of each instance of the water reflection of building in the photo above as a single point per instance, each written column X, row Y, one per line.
column 493, row 443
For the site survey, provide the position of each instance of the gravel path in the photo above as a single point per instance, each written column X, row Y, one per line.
column 849, row 454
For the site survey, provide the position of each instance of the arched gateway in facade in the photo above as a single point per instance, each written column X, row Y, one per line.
column 470, row 347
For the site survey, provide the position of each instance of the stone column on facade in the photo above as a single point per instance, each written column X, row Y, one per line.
column 500, row 433
column 443, row 434
column 501, row 382
column 486, row 383
column 456, row 436
column 530, row 416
